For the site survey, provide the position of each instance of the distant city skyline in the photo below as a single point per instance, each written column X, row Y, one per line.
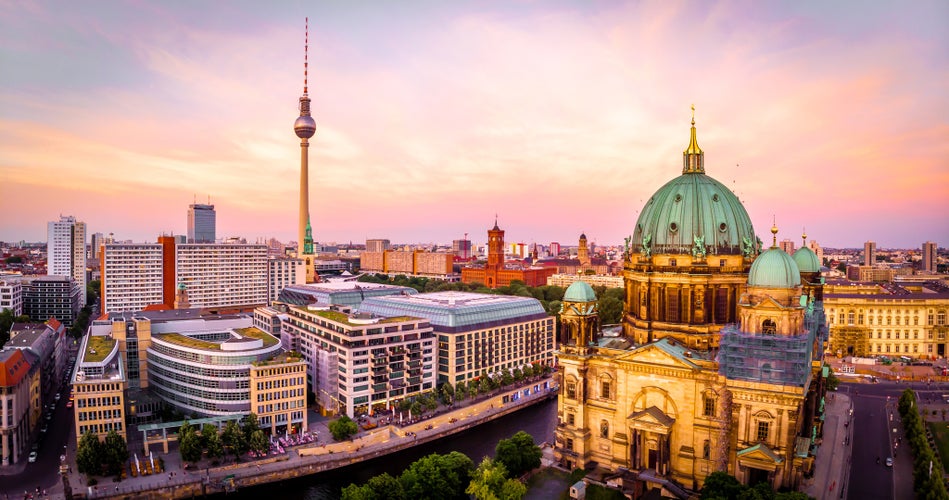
column 561, row 118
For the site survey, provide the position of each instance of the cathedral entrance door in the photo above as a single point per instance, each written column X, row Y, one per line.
column 756, row 476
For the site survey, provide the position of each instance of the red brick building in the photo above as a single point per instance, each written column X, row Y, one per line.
column 495, row 274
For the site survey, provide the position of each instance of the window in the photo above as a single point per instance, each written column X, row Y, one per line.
column 763, row 428
column 768, row 327
column 571, row 419
column 708, row 406
column 605, row 389
column 604, row 429
column 571, row 390
column 569, row 444
column 672, row 262
column 706, row 450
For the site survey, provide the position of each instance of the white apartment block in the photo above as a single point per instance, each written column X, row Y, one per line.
column 222, row 275
column 282, row 272
column 131, row 276
column 66, row 249
column 11, row 296
column 359, row 361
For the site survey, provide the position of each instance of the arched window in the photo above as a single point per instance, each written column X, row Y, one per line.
column 706, row 450
column 768, row 327
column 604, row 429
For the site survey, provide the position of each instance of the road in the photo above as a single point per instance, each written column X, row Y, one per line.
column 874, row 437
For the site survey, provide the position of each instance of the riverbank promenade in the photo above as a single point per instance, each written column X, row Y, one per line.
column 175, row 481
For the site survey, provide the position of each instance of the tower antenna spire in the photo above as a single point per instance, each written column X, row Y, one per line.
column 306, row 54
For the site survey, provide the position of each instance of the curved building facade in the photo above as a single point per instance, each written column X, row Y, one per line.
column 208, row 373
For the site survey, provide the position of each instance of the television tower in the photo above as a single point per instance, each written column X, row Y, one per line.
column 305, row 128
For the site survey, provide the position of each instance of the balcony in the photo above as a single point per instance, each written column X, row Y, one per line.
column 379, row 387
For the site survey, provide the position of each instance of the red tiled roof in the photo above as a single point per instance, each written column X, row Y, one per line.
column 13, row 369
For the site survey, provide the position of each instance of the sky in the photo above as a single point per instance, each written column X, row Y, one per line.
column 435, row 117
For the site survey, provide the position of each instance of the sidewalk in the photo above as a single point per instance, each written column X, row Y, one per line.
column 311, row 458
column 832, row 465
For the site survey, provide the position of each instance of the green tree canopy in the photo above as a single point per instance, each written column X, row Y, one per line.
column 258, row 443
column 233, row 439
column 212, row 440
column 490, row 482
column 115, row 452
column 89, row 454
column 342, row 428
column 381, row 487
column 518, row 454
column 438, row 477
column 189, row 444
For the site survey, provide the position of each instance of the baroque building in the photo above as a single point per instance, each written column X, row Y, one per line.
column 720, row 364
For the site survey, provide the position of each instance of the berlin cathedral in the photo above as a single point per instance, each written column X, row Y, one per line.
column 719, row 366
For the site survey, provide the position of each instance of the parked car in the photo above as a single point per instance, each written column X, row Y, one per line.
column 32, row 457
column 44, row 428
column 69, row 404
column 58, row 395
column 889, row 461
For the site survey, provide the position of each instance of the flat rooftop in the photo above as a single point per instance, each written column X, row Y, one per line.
column 344, row 293
column 220, row 340
column 458, row 311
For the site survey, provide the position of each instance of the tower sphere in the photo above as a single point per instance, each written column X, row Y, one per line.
column 305, row 127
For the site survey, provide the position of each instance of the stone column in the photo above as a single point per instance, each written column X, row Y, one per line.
column 3, row 441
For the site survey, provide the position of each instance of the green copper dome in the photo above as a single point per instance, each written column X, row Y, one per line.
column 579, row 291
column 774, row 268
column 694, row 214
column 806, row 260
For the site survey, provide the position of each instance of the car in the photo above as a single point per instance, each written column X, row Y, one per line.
column 58, row 395
column 889, row 461
column 44, row 428
column 69, row 404
column 49, row 416
column 32, row 457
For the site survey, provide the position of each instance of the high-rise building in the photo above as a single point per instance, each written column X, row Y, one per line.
column 305, row 128
column 57, row 297
column 869, row 253
column 461, row 248
column 96, row 240
column 283, row 272
column 66, row 249
column 132, row 276
column 377, row 245
column 11, row 296
column 787, row 246
column 201, row 223
column 554, row 248
column 929, row 257
column 214, row 275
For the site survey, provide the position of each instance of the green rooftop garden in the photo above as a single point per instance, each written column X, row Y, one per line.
column 184, row 340
column 257, row 333
column 283, row 357
column 98, row 348
column 344, row 318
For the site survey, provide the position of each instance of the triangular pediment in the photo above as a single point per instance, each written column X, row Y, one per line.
column 652, row 416
column 662, row 352
column 761, row 454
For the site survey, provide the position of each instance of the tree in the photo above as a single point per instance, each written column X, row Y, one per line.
column 610, row 310
column 505, row 379
column 446, row 393
column 212, row 440
column 233, row 439
column 115, row 452
column 250, row 426
column 554, row 307
column 342, row 428
column 832, row 380
column 490, row 482
column 89, row 454
column 189, row 443
column 416, row 408
column 381, row 487
column 720, row 485
column 6, row 321
column 258, row 443
column 518, row 454
column 438, row 476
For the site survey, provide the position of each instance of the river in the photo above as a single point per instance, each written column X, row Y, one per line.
column 538, row 420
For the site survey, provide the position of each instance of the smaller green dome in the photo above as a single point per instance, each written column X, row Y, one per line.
column 579, row 291
column 806, row 260
column 774, row 268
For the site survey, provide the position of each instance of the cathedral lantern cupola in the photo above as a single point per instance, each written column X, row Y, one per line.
column 579, row 318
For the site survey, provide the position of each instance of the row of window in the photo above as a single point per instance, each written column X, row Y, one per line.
column 856, row 318
column 103, row 428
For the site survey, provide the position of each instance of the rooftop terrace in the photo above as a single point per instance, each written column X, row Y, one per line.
column 98, row 347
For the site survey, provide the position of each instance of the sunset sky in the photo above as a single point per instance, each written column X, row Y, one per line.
column 432, row 117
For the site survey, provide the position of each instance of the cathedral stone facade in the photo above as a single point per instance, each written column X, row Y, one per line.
column 719, row 367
